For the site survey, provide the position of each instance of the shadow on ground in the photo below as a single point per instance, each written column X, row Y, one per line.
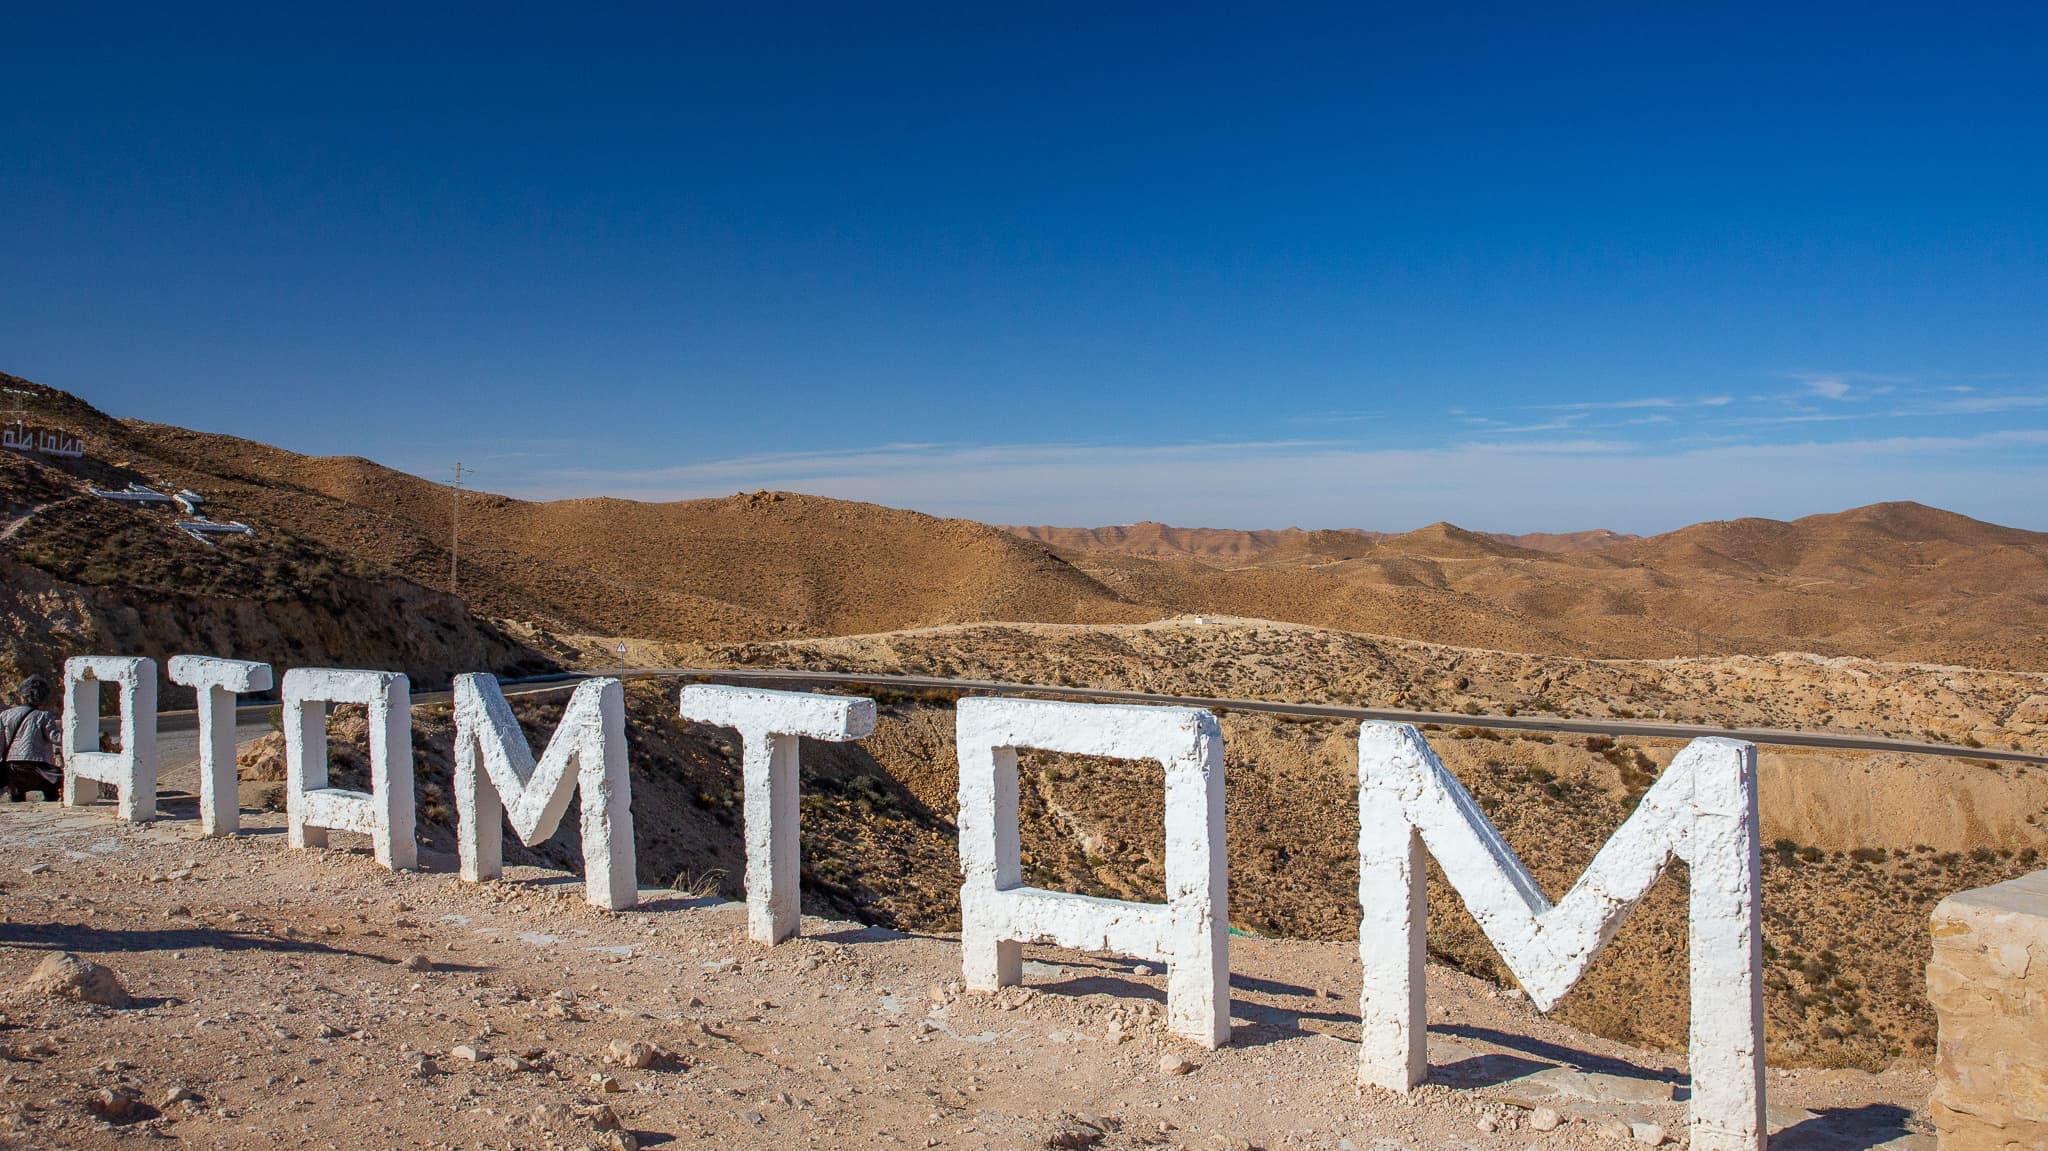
column 1846, row 1128
column 101, row 941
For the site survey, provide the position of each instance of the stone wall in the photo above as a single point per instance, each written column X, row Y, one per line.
column 1989, row 984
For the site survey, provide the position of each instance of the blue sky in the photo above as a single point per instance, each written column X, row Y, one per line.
column 1544, row 267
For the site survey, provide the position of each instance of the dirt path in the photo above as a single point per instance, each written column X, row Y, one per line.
column 16, row 524
column 283, row 989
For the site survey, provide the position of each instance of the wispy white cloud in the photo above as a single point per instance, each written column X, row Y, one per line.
column 1561, row 423
column 1548, row 447
column 1801, row 418
column 1338, row 416
column 1975, row 403
column 1638, row 402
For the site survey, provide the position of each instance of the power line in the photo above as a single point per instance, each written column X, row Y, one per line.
column 455, row 532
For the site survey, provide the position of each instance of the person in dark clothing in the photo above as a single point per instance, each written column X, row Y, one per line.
column 31, row 743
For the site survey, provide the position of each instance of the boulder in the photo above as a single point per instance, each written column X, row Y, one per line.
column 66, row 974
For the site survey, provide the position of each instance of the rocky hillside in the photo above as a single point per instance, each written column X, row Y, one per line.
column 80, row 573
column 349, row 561
column 734, row 568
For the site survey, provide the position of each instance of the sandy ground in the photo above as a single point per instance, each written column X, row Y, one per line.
column 310, row 999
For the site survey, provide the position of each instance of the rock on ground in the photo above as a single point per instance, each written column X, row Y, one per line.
column 66, row 974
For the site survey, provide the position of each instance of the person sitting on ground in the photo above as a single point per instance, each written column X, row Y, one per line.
column 31, row 744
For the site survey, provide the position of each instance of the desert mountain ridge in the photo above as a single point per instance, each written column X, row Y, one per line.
column 1893, row 581
column 1890, row 580
column 1236, row 546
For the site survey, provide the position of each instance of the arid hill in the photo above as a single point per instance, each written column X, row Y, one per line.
column 80, row 573
column 1223, row 547
column 1585, row 541
column 1890, row 581
column 759, row 564
column 1232, row 547
column 344, row 547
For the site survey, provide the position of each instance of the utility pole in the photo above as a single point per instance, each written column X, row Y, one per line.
column 455, row 531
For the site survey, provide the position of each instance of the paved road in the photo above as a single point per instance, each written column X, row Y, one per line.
column 177, row 732
column 257, row 714
column 1845, row 741
column 177, row 751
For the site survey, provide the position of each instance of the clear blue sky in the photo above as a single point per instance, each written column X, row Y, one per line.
column 1534, row 267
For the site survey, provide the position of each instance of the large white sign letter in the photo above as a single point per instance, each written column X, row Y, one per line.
column 385, row 812
column 216, row 681
column 998, row 914
column 769, row 723
column 1703, row 810
column 497, row 779
column 132, row 770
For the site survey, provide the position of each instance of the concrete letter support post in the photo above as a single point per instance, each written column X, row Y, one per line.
column 998, row 914
column 769, row 724
column 497, row 779
column 216, row 682
column 1702, row 810
column 132, row 770
column 385, row 812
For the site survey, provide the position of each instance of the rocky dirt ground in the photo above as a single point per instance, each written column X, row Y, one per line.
column 310, row 999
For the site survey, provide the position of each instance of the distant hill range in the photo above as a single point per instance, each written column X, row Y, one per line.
column 349, row 562
column 1894, row 581
column 1231, row 547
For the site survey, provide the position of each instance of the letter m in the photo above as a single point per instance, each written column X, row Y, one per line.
column 1703, row 811
column 495, row 773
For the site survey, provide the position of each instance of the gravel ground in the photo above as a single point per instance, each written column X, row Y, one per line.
column 310, row 999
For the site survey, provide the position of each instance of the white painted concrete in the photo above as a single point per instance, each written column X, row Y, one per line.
column 216, row 682
column 769, row 724
column 385, row 812
column 131, row 770
column 1702, row 810
column 1189, row 933
column 497, row 780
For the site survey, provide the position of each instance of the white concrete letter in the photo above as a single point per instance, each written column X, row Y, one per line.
column 769, row 724
column 497, row 778
column 1703, row 810
column 385, row 812
column 215, row 682
column 132, row 770
column 998, row 914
